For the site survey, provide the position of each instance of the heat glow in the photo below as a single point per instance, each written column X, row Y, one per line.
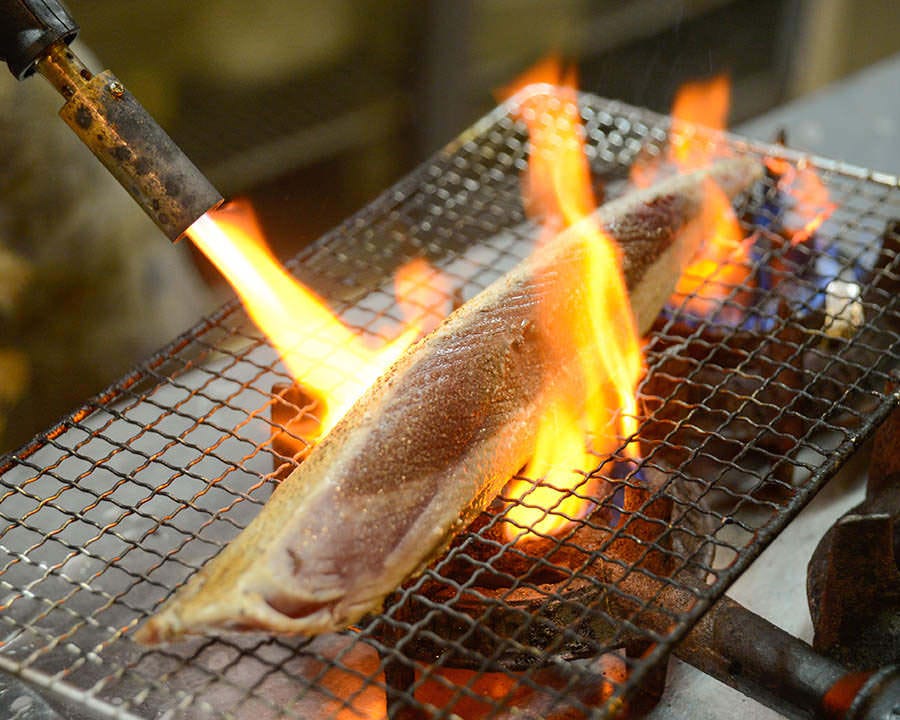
column 558, row 187
column 705, row 103
column 321, row 353
column 812, row 202
column 422, row 294
column 722, row 263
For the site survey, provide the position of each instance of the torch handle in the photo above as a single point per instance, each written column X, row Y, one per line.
column 28, row 28
column 35, row 36
column 128, row 141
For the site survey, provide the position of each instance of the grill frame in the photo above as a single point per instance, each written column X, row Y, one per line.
column 167, row 368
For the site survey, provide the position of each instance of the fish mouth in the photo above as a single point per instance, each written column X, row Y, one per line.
column 296, row 608
column 282, row 614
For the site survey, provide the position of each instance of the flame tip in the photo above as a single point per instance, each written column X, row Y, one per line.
column 322, row 354
column 559, row 190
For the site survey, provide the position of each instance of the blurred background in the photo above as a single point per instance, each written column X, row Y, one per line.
column 311, row 108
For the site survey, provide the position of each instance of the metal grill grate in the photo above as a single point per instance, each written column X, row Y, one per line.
column 109, row 511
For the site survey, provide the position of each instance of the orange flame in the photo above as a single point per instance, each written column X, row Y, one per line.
column 704, row 102
column 723, row 263
column 557, row 160
column 812, row 205
column 558, row 185
column 423, row 294
column 319, row 351
column 701, row 103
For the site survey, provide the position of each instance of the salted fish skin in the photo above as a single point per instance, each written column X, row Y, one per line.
column 434, row 440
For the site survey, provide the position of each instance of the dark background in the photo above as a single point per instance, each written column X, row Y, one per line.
column 311, row 108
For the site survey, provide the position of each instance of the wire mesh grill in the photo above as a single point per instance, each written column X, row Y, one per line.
column 107, row 513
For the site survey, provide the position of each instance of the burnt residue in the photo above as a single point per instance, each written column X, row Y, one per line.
column 84, row 117
column 142, row 166
column 122, row 153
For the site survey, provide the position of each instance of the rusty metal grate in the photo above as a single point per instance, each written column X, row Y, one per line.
column 113, row 508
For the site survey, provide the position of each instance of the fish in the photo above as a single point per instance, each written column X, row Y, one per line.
column 437, row 436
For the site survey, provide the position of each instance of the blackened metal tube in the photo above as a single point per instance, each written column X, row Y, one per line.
column 755, row 657
column 132, row 146
column 761, row 660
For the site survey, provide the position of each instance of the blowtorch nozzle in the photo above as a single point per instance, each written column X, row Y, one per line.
column 109, row 120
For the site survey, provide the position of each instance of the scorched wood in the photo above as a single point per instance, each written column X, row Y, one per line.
column 434, row 440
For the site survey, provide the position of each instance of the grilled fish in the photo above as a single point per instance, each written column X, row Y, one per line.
column 436, row 438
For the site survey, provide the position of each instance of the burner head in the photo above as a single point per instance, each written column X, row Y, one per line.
column 853, row 581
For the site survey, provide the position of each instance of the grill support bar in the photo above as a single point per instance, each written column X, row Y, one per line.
column 65, row 694
column 759, row 659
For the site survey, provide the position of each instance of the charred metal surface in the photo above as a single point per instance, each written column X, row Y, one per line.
column 853, row 583
column 854, row 591
column 706, row 390
column 888, row 280
column 761, row 660
column 884, row 466
column 651, row 690
column 130, row 144
column 399, row 677
column 573, row 619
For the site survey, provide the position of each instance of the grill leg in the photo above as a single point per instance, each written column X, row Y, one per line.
column 651, row 689
column 398, row 679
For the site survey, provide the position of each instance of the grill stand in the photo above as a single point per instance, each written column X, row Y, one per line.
column 110, row 510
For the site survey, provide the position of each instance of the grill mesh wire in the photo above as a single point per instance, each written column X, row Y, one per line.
column 123, row 501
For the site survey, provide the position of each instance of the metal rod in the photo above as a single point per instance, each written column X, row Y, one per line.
column 759, row 659
column 129, row 143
